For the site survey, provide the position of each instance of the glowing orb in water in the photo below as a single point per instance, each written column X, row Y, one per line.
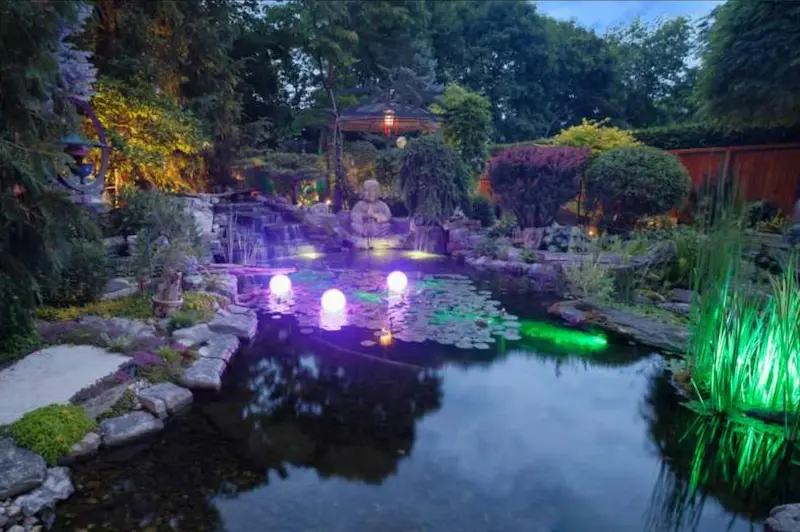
column 397, row 282
column 333, row 300
column 280, row 285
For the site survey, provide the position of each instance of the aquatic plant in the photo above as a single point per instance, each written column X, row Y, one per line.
column 52, row 430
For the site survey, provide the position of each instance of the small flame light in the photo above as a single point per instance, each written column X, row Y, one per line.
column 397, row 282
column 333, row 301
column 280, row 285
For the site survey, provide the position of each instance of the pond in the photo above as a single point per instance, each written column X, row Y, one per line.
column 521, row 428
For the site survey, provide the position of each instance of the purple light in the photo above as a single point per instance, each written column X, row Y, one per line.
column 280, row 285
column 397, row 282
column 333, row 300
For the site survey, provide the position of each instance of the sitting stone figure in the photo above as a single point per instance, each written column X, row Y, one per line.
column 371, row 216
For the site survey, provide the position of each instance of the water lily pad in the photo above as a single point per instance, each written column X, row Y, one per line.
column 367, row 343
column 482, row 345
column 306, row 330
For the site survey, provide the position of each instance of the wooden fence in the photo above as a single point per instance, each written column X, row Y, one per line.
column 767, row 172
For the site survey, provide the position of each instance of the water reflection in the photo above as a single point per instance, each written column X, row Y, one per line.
column 745, row 465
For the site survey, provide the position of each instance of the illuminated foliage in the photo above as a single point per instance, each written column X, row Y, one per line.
column 467, row 123
column 154, row 138
column 595, row 135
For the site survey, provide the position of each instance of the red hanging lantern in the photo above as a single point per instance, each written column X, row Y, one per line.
column 390, row 123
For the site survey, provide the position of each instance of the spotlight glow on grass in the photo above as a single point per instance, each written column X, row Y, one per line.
column 333, row 301
column 280, row 285
column 397, row 282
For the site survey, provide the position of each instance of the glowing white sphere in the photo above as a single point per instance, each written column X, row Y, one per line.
column 397, row 282
column 333, row 300
column 280, row 285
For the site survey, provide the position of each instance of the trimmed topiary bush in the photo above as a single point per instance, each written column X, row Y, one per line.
column 433, row 180
column 628, row 183
column 533, row 182
column 52, row 430
column 596, row 136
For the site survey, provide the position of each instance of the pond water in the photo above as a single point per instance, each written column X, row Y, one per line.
column 555, row 431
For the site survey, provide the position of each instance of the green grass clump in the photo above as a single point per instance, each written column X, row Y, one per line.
column 52, row 430
column 136, row 306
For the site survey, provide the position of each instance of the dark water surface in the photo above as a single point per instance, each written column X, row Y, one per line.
column 314, row 432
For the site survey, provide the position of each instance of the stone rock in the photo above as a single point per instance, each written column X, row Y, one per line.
column 194, row 335
column 102, row 403
column 241, row 325
column 684, row 309
column 119, row 287
column 134, row 328
column 641, row 329
column 165, row 397
column 193, row 283
column 20, row 470
column 85, row 448
column 514, row 254
column 568, row 313
column 17, row 528
column 225, row 284
column 204, row 374
column 681, row 295
column 56, row 487
column 220, row 346
column 13, row 510
column 126, row 428
column 239, row 309
column 784, row 518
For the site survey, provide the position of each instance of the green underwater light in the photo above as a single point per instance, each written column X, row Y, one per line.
column 562, row 337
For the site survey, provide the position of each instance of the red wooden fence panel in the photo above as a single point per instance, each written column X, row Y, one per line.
column 768, row 172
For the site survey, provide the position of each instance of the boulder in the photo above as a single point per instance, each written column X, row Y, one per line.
column 220, row 346
column 20, row 470
column 225, row 284
column 684, row 309
column 241, row 325
column 193, row 283
column 204, row 374
column 126, row 428
column 784, row 518
column 681, row 295
column 164, row 398
column 85, row 448
column 56, row 487
column 195, row 335
column 568, row 313
column 119, row 287
column 104, row 402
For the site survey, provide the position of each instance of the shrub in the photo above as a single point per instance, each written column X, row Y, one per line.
column 595, row 136
column 487, row 247
column 482, row 209
column 87, row 269
column 505, row 225
column 433, row 180
column 528, row 257
column 203, row 303
column 387, row 171
column 589, row 279
column 184, row 318
column 52, row 430
column 709, row 136
column 632, row 182
column 136, row 306
column 533, row 182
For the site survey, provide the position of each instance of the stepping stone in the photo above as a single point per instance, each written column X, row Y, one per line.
column 164, row 398
column 52, row 375
column 20, row 470
column 221, row 346
column 124, row 429
column 191, row 336
column 240, row 325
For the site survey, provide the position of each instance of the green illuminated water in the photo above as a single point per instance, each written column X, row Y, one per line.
column 560, row 430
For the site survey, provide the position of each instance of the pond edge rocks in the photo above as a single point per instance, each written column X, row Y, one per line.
column 29, row 488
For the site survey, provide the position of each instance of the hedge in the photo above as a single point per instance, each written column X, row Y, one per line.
column 706, row 136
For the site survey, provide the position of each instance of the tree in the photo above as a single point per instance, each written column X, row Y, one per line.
column 467, row 124
column 654, row 70
column 750, row 57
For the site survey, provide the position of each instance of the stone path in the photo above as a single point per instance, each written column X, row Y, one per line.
column 52, row 375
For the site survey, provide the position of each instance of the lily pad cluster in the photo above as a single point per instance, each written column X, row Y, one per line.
column 443, row 308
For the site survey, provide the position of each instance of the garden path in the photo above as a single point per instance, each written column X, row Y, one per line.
column 52, row 375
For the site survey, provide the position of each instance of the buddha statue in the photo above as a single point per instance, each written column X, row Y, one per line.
column 370, row 216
